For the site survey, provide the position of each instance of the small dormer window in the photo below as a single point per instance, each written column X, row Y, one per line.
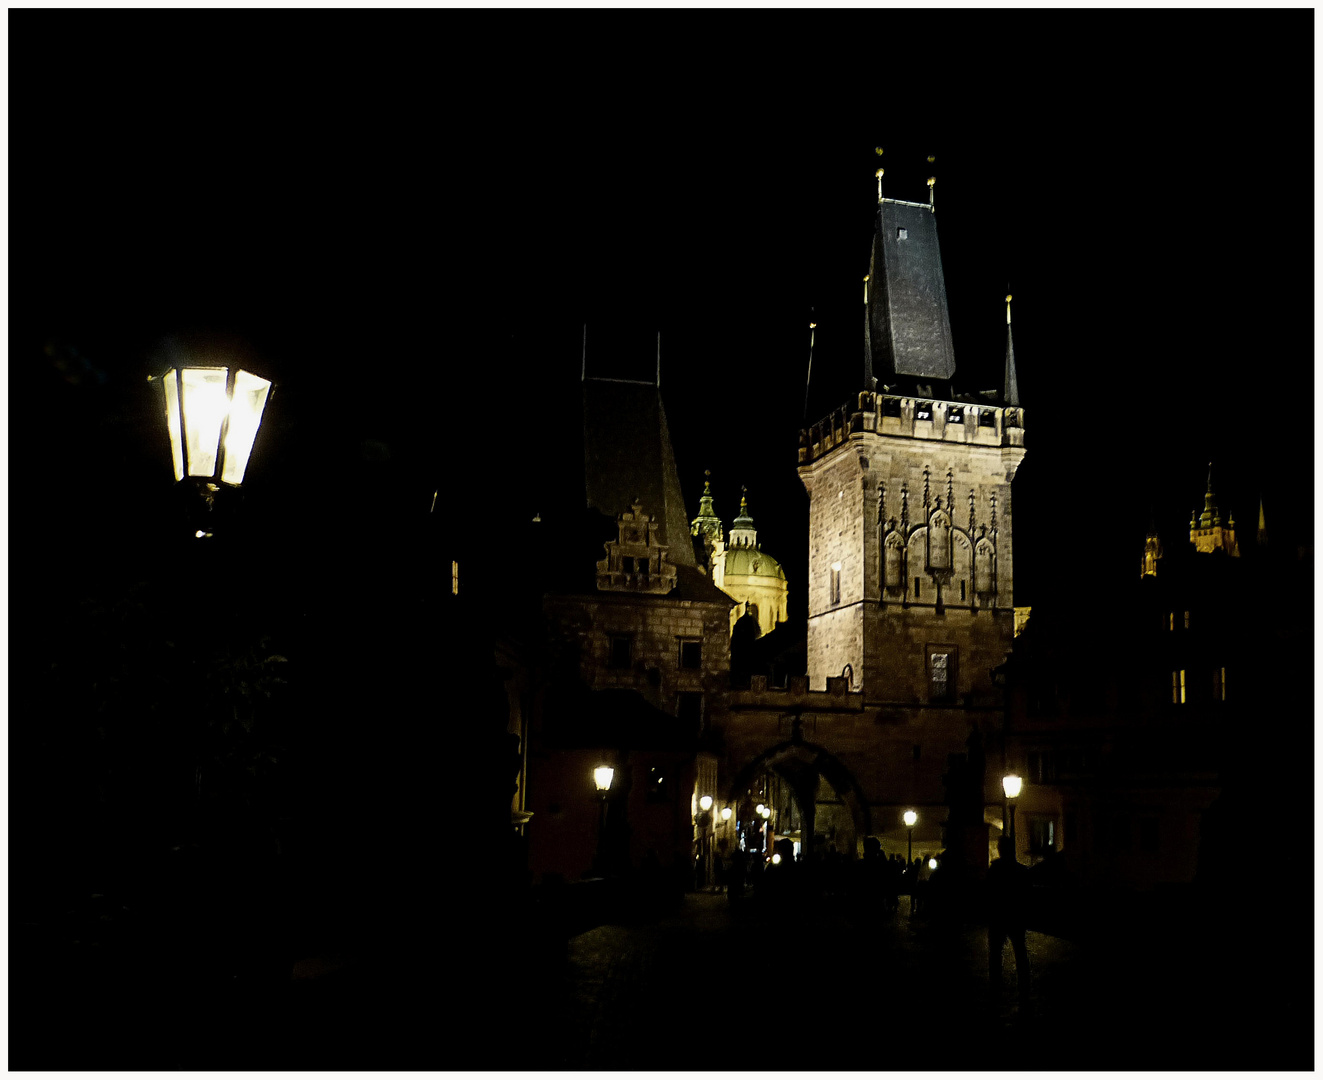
column 923, row 410
column 902, row 234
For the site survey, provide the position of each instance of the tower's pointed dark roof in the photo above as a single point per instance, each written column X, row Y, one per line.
column 1010, row 386
column 909, row 326
column 628, row 457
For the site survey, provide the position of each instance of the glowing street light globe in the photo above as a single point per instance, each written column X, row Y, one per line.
column 602, row 777
column 1011, row 785
column 705, row 803
column 212, row 414
column 776, row 860
column 759, row 809
column 910, row 818
column 725, row 813
column 932, row 864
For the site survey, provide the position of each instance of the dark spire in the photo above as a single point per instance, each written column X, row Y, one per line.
column 1010, row 387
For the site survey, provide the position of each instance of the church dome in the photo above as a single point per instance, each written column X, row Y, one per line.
column 752, row 562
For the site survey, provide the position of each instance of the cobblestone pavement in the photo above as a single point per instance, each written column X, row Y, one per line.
column 706, row 987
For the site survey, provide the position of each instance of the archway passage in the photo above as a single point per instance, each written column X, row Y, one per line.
column 812, row 793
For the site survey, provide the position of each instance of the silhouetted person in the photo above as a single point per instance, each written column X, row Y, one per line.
column 1008, row 897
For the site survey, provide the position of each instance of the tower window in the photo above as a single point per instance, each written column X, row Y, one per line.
column 643, row 567
column 454, row 578
column 1220, row 684
column 1178, row 687
column 835, row 583
column 941, row 673
column 1187, row 620
column 916, row 586
column 918, row 751
column 627, row 563
column 902, row 234
column 923, row 410
column 691, row 653
column 962, row 590
column 621, row 650
column 1171, row 620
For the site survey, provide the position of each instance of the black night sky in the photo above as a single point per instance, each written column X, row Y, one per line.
column 405, row 218
column 410, row 223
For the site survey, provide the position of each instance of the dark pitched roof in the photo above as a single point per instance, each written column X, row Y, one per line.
column 628, row 456
column 909, row 326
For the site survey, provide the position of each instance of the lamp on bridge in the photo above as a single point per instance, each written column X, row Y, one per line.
column 602, row 776
column 1010, row 784
column 212, row 414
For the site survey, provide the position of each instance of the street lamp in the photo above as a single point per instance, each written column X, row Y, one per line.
column 705, row 804
column 910, row 818
column 725, row 813
column 602, row 776
column 212, row 414
column 1010, row 784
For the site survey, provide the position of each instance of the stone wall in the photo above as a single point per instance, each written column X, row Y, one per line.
column 656, row 626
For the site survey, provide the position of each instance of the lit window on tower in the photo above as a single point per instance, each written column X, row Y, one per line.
column 835, row 583
column 454, row 578
column 1178, row 687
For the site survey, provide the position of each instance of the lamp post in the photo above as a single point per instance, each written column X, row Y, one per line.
column 704, row 822
column 212, row 414
column 602, row 776
column 1010, row 784
column 913, row 875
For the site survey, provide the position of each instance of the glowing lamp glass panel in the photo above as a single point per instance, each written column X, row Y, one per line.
column 705, row 803
column 758, row 809
column 204, row 404
column 776, row 860
column 910, row 818
column 725, row 813
column 172, row 422
column 932, row 864
column 602, row 777
column 1011, row 785
column 246, row 407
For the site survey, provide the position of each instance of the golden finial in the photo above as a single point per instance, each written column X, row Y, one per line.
column 932, row 180
column 931, row 159
column 879, row 173
column 877, row 150
column 813, row 326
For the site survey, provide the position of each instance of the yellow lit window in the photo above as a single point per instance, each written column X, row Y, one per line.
column 454, row 578
column 1178, row 687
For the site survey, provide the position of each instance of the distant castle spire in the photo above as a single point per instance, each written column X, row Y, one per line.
column 1208, row 534
column 1010, row 386
column 1152, row 550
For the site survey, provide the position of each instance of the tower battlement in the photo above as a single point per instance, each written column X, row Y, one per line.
column 913, row 418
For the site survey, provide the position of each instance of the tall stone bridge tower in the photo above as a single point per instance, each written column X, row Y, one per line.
column 910, row 591
column 911, row 550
